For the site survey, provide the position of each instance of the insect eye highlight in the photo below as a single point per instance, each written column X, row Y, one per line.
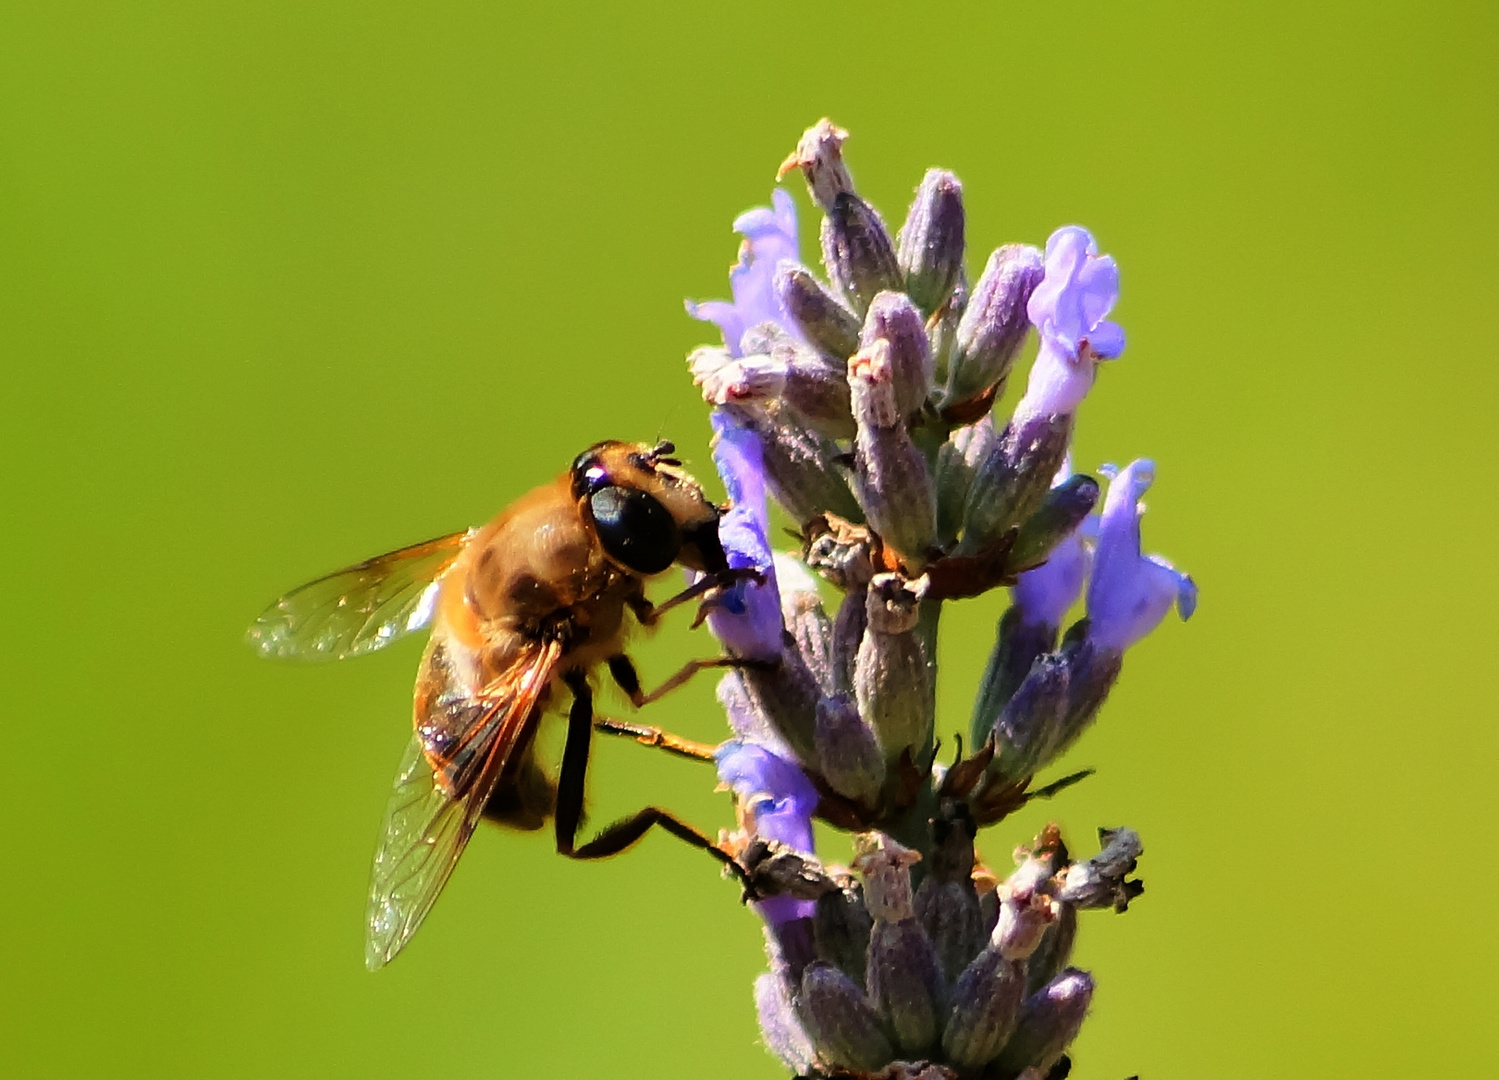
column 635, row 529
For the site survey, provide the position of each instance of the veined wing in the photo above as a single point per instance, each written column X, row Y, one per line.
column 428, row 821
column 358, row 609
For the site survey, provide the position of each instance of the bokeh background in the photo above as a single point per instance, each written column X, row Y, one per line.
column 284, row 285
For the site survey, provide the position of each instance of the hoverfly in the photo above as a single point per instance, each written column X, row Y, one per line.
column 535, row 598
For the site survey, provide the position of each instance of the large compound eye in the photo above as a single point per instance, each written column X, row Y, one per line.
column 635, row 529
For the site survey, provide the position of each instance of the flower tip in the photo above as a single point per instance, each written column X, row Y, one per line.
column 1186, row 597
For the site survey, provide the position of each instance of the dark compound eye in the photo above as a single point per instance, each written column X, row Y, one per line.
column 635, row 529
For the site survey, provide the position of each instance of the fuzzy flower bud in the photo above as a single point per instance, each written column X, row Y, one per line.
column 783, row 1032
column 947, row 904
column 848, row 753
column 823, row 320
column 857, row 251
column 1049, row 1020
column 930, row 245
column 904, row 974
column 1063, row 509
column 1013, row 477
column 841, row 926
column 893, row 320
column 892, row 672
column 890, row 473
column 994, row 324
column 834, row 1012
column 985, row 1004
column 819, row 156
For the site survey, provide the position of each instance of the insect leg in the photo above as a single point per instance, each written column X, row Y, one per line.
column 692, row 667
column 647, row 735
column 648, row 613
column 621, row 834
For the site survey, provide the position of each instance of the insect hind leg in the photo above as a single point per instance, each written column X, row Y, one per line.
column 622, row 834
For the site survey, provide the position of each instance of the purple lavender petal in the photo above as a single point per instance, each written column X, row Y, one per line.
column 1130, row 594
column 770, row 236
column 1068, row 308
column 1044, row 594
column 747, row 618
column 779, row 802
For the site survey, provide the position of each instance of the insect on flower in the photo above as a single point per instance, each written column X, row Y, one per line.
column 537, row 597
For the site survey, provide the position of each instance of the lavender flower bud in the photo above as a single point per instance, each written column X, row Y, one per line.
column 1055, row 950
column 947, row 905
column 892, row 672
column 942, row 339
column 1062, row 510
column 904, row 974
column 890, row 473
column 849, row 626
column 1030, row 724
column 1013, row 477
column 845, row 1030
column 1091, row 674
column 848, row 754
column 1019, row 643
column 822, row 318
column 857, row 252
column 995, row 324
column 957, row 462
column 817, row 391
column 785, row 696
column 1049, row 1020
column 841, row 925
column 1102, row 880
column 805, row 619
column 819, row 155
column 801, row 468
column 892, row 319
column 985, row 1004
column 930, row 245
column 782, row 1031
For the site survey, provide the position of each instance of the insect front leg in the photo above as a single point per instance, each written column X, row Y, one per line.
column 619, row 836
column 706, row 586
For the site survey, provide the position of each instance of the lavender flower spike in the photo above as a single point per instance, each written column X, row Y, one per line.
column 1130, row 593
column 777, row 801
column 1068, row 308
column 747, row 618
column 769, row 237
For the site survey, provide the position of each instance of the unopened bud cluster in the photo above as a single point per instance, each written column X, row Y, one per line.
column 860, row 396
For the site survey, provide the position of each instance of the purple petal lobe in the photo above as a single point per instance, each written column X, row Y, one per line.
column 1130, row 593
column 747, row 618
column 769, row 237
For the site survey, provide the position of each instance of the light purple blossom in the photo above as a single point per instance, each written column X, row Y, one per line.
column 778, row 802
column 1044, row 594
column 1068, row 308
column 769, row 237
column 1130, row 593
column 747, row 617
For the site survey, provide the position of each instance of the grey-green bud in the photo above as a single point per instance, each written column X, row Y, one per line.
column 994, row 323
column 802, row 468
column 857, row 252
column 1049, row 1020
column 890, row 473
column 1062, row 510
column 1013, row 477
column 985, row 1004
column 848, row 754
column 824, row 321
column 894, row 320
column 819, row 156
column 930, row 245
column 845, row 1030
column 1018, row 643
column 841, row 926
column 892, row 672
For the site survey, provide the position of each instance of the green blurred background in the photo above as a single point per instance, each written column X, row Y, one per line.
column 286, row 285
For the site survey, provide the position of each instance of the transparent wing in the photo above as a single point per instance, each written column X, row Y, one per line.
column 427, row 825
column 358, row 609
